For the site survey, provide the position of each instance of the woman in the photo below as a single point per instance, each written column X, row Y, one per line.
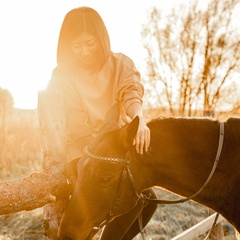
column 92, row 79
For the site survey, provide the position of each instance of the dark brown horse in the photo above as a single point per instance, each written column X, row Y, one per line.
column 111, row 175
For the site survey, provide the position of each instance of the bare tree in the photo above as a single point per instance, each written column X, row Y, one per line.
column 193, row 56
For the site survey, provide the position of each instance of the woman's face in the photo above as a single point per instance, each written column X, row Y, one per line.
column 84, row 48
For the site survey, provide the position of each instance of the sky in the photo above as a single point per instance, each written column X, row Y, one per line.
column 29, row 35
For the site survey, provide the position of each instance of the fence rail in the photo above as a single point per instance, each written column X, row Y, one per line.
column 198, row 229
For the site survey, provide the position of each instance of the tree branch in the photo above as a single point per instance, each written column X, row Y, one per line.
column 31, row 192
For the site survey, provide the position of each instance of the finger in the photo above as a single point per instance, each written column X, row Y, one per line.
column 141, row 146
column 146, row 146
column 137, row 147
column 147, row 142
column 138, row 143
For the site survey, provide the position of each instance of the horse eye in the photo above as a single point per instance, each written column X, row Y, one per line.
column 106, row 180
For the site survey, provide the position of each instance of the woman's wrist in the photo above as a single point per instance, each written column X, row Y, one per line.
column 135, row 110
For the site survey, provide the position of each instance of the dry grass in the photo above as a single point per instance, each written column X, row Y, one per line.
column 22, row 226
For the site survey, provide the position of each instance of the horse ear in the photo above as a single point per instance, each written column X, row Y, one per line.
column 132, row 130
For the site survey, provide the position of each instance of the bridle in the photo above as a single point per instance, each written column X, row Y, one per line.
column 126, row 172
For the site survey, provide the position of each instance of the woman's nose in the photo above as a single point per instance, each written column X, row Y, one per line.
column 85, row 51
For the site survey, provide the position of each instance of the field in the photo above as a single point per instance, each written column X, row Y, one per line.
column 167, row 222
column 20, row 155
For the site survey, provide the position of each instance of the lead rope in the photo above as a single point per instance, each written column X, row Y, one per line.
column 213, row 225
column 182, row 200
column 140, row 222
column 140, row 219
column 217, row 159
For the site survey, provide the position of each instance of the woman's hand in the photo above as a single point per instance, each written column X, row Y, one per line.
column 142, row 138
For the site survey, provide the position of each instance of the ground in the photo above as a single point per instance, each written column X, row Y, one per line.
column 167, row 222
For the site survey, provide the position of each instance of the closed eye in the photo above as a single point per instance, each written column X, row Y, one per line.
column 90, row 42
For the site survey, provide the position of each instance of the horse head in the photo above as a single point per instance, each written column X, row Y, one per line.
column 102, row 173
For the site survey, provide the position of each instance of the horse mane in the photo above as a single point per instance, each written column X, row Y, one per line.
column 178, row 121
column 177, row 118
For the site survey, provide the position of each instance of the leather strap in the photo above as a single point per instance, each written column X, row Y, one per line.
column 181, row 200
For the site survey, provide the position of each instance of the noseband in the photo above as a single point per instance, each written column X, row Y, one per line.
column 126, row 172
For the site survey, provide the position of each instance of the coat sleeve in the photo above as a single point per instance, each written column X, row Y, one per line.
column 130, row 89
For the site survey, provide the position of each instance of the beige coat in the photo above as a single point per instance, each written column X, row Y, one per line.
column 89, row 96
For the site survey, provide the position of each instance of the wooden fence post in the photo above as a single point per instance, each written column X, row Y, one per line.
column 52, row 129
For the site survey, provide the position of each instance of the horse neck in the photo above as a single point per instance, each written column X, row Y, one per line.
column 148, row 171
column 183, row 165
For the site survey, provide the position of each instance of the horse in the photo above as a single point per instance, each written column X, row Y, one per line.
column 180, row 158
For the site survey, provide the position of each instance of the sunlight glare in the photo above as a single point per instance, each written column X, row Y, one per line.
column 29, row 39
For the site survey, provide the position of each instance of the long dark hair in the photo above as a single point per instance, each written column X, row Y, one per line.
column 77, row 21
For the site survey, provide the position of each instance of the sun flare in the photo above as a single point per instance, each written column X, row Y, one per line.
column 29, row 40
